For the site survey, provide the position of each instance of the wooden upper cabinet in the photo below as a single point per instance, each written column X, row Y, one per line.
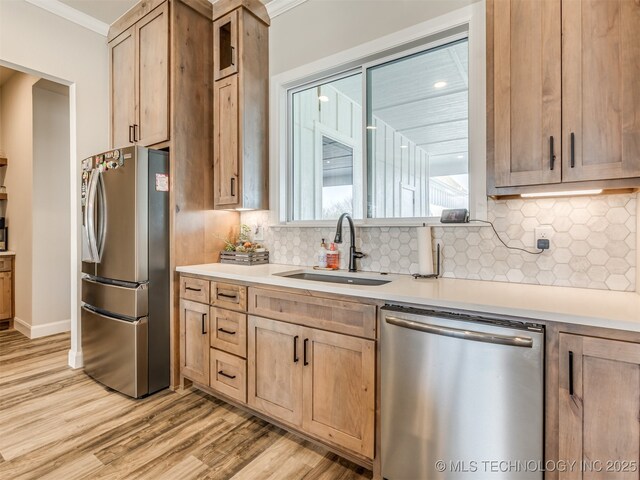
column 240, row 105
column 599, row 401
column 527, row 92
column 225, row 54
column 139, row 71
column 274, row 376
column 226, row 166
column 122, row 52
column 564, row 81
column 339, row 389
column 152, row 34
column 601, row 89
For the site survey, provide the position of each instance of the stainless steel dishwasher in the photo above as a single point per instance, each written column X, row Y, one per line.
column 462, row 396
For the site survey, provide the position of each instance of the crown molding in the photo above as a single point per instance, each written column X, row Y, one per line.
column 71, row 14
column 278, row 7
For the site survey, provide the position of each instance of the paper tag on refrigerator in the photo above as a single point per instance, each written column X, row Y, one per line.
column 162, row 182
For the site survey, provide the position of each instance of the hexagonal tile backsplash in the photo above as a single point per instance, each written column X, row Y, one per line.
column 593, row 244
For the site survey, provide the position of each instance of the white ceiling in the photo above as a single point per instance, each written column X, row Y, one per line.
column 107, row 11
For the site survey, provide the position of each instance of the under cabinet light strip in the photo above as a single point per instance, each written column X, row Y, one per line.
column 561, row 194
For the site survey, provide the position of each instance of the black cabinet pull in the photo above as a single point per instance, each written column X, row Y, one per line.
column 306, row 341
column 226, row 295
column 573, row 149
column 221, row 372
column 295, row 349
column 571, row 373
column 204, row 328
column 233, row 186
column 135, row 132
column 130, row 133
column 193, row 289
column 233, row 55
column 552, row 154
column 226, row 331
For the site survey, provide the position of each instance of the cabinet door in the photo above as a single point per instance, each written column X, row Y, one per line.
column 226, row 141
column 225, row 46
column 339, row 392
column 194, row 341
column 5, row 296
column 275, row 369
column 601, row 89
column 152, row 37
column 527, row 92
column 123, row 98
column 599, row 404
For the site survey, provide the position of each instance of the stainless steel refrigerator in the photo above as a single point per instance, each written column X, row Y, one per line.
column 125, row 265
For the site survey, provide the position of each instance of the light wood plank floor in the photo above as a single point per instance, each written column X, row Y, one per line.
column 59, row 424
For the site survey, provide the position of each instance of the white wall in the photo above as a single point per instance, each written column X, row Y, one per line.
column 51, row 267
column 17, row 140
column 36, row 40
column 319, row 28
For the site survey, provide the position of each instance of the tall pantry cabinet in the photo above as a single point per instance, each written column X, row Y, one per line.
column 161, row 72
column 563, row 95
column 240, row 104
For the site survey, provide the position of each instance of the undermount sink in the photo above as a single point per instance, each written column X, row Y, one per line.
column 323, row 277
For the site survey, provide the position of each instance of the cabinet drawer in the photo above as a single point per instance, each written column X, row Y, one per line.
column 228, row 374
column 229, row 331
column 340, row 316
column 194, row 289
column 5, row 264
column 226, row 295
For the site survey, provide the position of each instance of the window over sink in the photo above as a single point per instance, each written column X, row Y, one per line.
column 393, row 137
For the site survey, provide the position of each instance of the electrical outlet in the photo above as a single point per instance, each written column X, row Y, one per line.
column 542, row 236
column 258, row 233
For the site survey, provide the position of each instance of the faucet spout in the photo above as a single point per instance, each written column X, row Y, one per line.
column 353, row 253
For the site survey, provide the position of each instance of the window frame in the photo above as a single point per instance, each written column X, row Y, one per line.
column 467, row 22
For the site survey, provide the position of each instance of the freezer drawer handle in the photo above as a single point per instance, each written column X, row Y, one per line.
column 462, row 334
column 228, row 332
column 221, row 372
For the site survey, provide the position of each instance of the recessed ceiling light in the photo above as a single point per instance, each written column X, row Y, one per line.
column 323, row 98
column 460, row 156
column 404, row 146
column 440, row 84
column 561, row 194
column 371, row 127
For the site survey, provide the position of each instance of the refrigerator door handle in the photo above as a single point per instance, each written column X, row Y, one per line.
column 102, row 217
column 90, row 214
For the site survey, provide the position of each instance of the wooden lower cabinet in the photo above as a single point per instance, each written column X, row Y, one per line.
column 6, row 307
column 275, row 361
column 338, row 403
column 194, row 341
column 321, row 381
column 599, row 406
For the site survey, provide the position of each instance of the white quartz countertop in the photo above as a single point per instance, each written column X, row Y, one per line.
column 8, row 253
column 600, row 308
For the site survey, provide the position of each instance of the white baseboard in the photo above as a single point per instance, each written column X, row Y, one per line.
column 23, row 327
column 75, row 359
column 38, row 331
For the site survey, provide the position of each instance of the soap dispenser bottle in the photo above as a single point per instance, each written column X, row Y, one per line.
column 333, row 257
column 321, row 258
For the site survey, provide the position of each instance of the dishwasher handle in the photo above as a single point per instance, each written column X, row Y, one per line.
column 525, row 342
